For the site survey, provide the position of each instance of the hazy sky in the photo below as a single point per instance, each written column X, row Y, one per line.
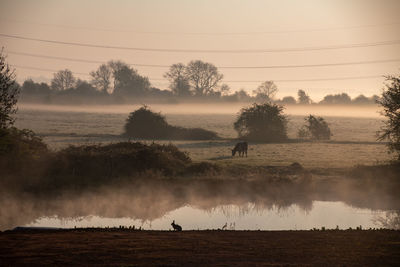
column 212, row 25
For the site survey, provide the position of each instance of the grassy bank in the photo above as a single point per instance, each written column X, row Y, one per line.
column 211, row 248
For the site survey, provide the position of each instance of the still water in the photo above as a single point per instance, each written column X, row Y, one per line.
column 322, row 214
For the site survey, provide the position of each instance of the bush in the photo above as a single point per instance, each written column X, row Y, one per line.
column 202, row 168
column 262, row 122
column 316, row 128
column 19, row 150
column 145, row 124
column 121, row 159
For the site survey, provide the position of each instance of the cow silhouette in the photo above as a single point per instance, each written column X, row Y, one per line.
column 241, row 148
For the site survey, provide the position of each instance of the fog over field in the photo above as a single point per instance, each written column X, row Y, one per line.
column 353, row 141
column 368, row 111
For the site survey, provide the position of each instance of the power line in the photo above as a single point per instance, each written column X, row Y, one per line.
column 82, row 60
column 221, row 67
column 315, row 80
column 206, row 33
column 43, row 69
column 233, row 81
column 275, row 50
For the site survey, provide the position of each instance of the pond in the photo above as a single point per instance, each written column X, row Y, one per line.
column 322, row 214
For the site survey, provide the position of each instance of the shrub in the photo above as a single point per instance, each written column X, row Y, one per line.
column 316, row 128
column 180, row 133
column 202, row 168
column 146, row 124
column 19, row 149
column 121, row 159
column 143, row 123
column 262, row 122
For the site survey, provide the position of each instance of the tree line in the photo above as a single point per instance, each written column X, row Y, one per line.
column 195, row 80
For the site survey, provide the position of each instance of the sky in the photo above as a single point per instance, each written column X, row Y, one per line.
column 252, row 33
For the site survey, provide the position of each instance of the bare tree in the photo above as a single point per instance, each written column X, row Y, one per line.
column 266, row 91
column 303, row 98
column 63, row 80
column 179, row 83
column 9, row 91
column 101, row 78
column 203, row 77
column 224, row 89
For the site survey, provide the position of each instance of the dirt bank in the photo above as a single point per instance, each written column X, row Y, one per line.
column 200, row 248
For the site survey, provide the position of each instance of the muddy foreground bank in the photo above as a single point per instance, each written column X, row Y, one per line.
column 200, row 248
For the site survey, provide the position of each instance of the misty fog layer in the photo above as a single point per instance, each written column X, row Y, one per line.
column 151, row 199
column 359, row 111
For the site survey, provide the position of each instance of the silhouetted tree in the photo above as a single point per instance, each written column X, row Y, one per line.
column 316, row 128
column 240, row 95
column 290, row 100
column 266, row 91
column 203, row 77
column 390, row 102
column 83, row 88
column 303, row 98
column 101, row 78
column 9, row 91
column 156, row 92
column 224, row 89
column 262, row 122
column 337, row 99
column 361, row 99
column 375, row 99
column 128, row 82
column 63, row 80
column 179, row 83
column 32, row 88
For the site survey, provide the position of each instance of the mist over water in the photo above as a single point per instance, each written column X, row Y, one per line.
column 297, row 196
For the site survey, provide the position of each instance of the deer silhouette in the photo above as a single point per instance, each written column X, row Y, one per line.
column 176, row 227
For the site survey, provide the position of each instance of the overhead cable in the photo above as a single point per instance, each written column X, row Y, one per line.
column 220, row 67
column 234, row 51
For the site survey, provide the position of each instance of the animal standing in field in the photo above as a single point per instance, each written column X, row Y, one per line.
column 224, row 227
column 176, row 227
column 241, row 148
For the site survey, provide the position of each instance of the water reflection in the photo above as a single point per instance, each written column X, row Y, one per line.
column 323, row 214
column 293, row 202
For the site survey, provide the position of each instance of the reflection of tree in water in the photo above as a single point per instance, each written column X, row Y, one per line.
column 391, row 220
column 257, row 208
column 151, row 199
